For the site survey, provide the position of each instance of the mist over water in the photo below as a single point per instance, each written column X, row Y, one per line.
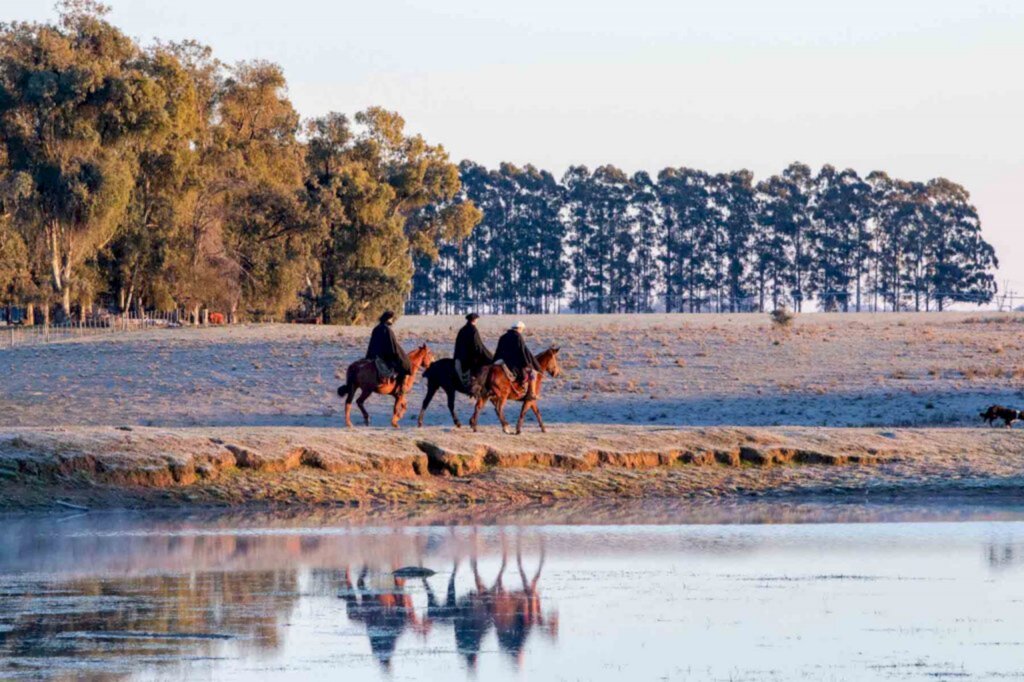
column 115, row 596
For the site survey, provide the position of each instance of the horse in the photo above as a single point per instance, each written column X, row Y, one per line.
column 362, row 376
column 498, row 388
column 442, row 374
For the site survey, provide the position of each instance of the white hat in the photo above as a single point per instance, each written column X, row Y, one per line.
column 518, row 325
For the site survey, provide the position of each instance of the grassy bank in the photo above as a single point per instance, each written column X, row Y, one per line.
column 144, row 467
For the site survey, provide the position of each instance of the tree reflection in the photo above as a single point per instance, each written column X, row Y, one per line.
column 144, row 606
column 102, row 620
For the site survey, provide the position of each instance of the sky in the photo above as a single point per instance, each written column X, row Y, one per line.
column 917, row 88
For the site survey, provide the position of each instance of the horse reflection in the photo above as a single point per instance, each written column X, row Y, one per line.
column 517, row 613
column 1004, row 555
column 386, row 611
column 513, row 614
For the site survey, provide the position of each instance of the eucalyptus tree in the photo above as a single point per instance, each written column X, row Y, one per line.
column 601, row 245
column 896, row 209
column 382, row 197
column 689, row 220
column 735, row 204
column 842, row 236
column 960, row 261
column 787, row 204
column 646, row 218
column 77, row 100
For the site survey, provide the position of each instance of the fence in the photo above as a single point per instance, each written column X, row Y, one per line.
column 15, row 335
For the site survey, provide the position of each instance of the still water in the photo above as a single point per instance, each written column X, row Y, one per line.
column 117, row 596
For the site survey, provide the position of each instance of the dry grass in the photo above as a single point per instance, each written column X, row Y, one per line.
column 730, row 369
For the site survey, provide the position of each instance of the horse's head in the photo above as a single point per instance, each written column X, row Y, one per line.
column 548, row 361
column 422, row 356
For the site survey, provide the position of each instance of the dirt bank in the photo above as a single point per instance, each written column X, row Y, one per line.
column 153, row 467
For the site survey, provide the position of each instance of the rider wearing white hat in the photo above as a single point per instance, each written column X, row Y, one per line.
column 517, row 357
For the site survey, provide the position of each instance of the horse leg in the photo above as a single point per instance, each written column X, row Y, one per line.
column 499, row 407
column 396, row 414
column 480, row 402
column 349, row 395
column 536, row 411
column 362, row 408
column 431, row 390
column 522, row 416
column 451, row 407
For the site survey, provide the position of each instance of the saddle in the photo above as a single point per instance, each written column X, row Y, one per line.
column 384, row 370
column 518, row 387
column 509, row 374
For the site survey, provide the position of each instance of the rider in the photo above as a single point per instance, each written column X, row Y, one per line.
column 384, row 349
column 517, row 357
column 471, row 355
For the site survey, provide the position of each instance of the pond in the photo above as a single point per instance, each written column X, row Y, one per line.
column 919, row 593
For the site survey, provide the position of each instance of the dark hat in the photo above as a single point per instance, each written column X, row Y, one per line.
column 387, row 315
column 472, row 316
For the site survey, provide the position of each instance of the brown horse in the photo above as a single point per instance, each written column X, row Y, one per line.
column 362, row 376
column 499, row 389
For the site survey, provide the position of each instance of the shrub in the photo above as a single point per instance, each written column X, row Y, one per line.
column 782, row 317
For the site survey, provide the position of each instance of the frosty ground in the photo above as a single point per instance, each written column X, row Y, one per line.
column 683, row 406
column 937, row 369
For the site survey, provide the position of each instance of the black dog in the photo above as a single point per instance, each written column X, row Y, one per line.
column 1007, row 414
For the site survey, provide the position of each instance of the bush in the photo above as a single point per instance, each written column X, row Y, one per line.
column 782, row 317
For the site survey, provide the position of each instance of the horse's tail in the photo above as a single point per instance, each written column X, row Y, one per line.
column 350, row 384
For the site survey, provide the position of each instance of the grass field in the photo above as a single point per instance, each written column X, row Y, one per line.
column 936, row 369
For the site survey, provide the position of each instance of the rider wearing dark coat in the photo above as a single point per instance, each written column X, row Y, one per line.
column 513, row 352
column 384, row 346
column 471, row 355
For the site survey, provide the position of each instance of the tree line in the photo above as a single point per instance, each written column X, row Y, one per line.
column 603, row 241
column 158, row 177
column 161, row 178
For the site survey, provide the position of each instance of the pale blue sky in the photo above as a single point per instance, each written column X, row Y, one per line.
column 919, row 88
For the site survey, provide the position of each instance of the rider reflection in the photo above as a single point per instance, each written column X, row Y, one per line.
column 387, row 610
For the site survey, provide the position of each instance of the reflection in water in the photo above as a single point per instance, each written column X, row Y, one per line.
column 107, row 623
column 387, row 610
column 150, row 617
column 107, row 597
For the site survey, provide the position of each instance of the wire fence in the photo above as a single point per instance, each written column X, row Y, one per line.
column 13, row 335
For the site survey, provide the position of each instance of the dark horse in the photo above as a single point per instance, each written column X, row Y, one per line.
column 442, row 374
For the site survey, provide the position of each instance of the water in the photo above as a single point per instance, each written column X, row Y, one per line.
column 102, row 596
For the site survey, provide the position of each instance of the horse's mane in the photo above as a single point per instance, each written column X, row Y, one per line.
column 548, row 353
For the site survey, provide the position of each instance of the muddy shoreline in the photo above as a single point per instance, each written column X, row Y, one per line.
column 143, row 467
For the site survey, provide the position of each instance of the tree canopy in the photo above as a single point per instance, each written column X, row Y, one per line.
column 159, row 177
